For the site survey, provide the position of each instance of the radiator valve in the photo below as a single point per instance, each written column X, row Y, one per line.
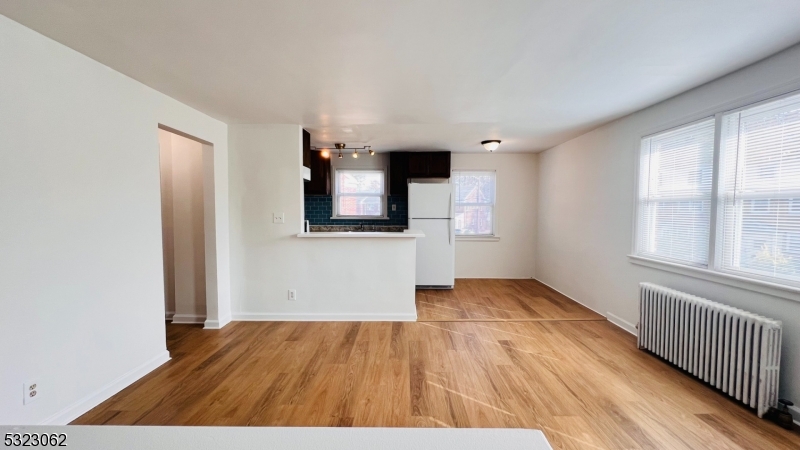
column 781, row 414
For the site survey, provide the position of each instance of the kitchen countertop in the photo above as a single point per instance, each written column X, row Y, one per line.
column 362, row 234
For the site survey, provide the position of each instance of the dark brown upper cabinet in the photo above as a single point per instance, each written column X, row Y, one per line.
column 398, row 174
column 306, row 149
column 428, row 164
column 320, row 183
column 439, row 166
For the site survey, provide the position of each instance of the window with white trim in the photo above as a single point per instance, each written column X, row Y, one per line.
column 756, row 225
column 360, row 193
column 675, row 194
column 474, row 192
column 759, row 191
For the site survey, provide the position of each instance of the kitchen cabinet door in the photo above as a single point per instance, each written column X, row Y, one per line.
column 428, row 164
column 306, row 149
column 439, row 165
column 398, row 174
column 320, row 183
column 418, row 163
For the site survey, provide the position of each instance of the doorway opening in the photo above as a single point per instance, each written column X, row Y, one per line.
column 183, row 226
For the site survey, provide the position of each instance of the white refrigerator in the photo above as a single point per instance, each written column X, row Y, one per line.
column 430, row 210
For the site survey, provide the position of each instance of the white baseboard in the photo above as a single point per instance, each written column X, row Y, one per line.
column 495, row 278
column 188, row 318
column 88, row 402
column 622, row 323
column 168, row 315
column 326, row 317
column 795, row 414
column 613, row 318
column 565, row 295
column 214, row 324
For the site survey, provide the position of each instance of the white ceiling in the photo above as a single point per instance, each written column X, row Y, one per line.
column 420, row 74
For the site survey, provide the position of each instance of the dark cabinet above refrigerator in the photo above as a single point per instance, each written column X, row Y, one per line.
column 405, row 165
column 428, row 164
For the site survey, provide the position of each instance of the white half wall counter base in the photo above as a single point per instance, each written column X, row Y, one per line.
column 80, row 250
column 586, row 209
column 361, row 276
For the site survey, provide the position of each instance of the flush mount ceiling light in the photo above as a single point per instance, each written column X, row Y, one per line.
column 491, row 145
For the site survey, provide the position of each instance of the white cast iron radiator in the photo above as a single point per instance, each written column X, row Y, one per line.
column 734, row 350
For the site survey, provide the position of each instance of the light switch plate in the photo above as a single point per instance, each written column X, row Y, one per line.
column 277, row 217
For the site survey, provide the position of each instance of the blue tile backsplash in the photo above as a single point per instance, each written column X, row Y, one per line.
column 319, row 209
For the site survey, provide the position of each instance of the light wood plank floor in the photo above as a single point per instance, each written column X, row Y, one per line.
column 583, row 383
column 475, row 300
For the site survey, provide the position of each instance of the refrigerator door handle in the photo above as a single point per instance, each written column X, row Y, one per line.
column 450, row 232
column 451, row 205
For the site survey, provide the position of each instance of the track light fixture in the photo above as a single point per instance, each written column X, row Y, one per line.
column 325, row 153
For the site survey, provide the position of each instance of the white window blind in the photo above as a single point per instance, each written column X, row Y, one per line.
column 759, row 191
column 360, row 193
column 674, row 200
column 474, row 202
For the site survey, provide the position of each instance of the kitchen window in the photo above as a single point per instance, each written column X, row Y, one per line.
column 751, row 227
column 475, row 192
column 360, row 193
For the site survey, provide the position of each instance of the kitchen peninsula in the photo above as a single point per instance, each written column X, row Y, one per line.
column 356, row 240
column 367, row 276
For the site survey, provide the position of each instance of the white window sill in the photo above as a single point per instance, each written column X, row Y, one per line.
column 360, row 218
column 750, row 284
column 478, row 238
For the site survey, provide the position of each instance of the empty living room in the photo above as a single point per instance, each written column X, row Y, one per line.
column 349, row 224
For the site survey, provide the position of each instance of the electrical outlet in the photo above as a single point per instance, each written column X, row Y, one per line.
column 394, row 207
column 292, row 294
column 277, row 217
column 30, row 392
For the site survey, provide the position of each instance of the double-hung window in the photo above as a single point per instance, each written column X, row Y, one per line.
column 675, row 194
column 474, row 202
column 759, row 191
column 755, row 231
column 360, row 193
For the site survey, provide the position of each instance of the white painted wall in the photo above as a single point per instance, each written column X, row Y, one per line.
column 182, row 227
column 586, row 208
column 336, row 279
column 165, row 165
column 513, row 256
column 82, row 295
